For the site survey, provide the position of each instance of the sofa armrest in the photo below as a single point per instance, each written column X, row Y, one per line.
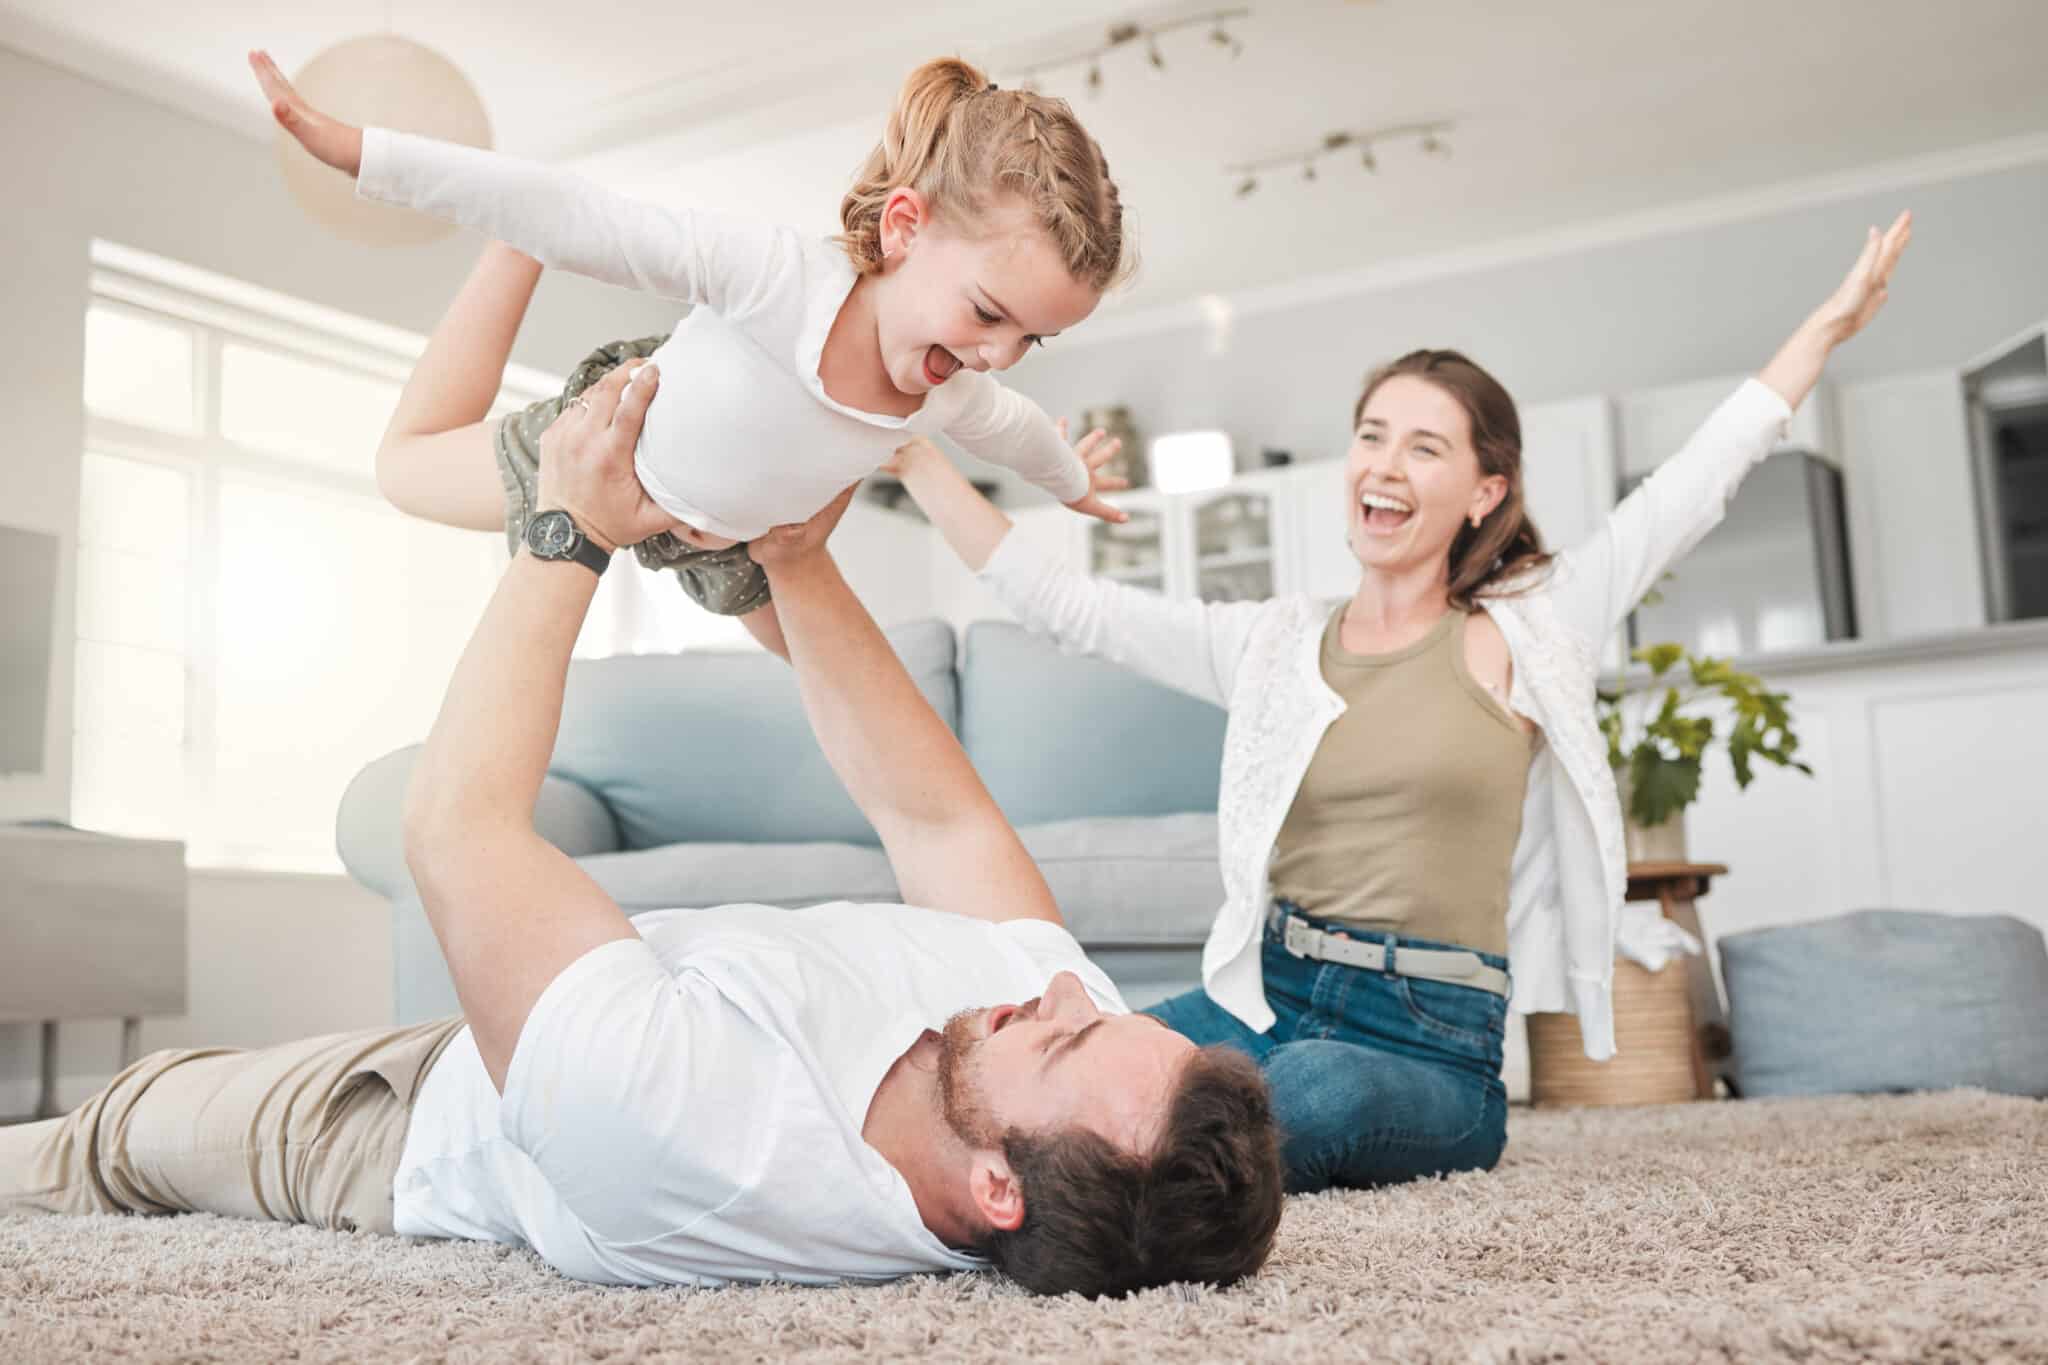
column 371, row 841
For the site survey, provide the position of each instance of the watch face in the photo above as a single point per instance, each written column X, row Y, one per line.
column 552, row 535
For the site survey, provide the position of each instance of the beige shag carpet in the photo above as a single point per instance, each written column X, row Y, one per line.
column 1909, row 1228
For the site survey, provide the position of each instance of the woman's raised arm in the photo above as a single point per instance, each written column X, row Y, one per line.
column 1190, row 646
column 1687, row 495
column 1796, row 368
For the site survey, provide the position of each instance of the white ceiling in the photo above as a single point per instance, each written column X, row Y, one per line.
column 1568, row 111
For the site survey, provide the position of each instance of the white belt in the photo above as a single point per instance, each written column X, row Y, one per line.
column 1457, row 967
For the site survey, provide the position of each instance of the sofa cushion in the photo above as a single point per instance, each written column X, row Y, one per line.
column 1058, row 736
column 714, row 747
column 370, row 839
column 1132, row 880
column 1889, row 1000
column 699, row 875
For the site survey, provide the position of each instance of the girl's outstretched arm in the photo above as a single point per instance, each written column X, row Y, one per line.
column 338, row 144
column 564, row 221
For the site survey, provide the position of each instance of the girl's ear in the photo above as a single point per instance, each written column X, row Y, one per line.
column 904, row 214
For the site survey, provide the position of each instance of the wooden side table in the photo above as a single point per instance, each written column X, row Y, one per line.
column 1675, row 887
column 93, row 927
column 1671, row 1033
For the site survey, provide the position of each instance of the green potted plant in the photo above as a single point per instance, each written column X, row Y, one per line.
column 1659, row 730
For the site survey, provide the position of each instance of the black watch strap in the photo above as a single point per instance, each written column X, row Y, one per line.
column 591, row 555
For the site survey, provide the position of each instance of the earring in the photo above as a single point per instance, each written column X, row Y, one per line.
column 1476, row 521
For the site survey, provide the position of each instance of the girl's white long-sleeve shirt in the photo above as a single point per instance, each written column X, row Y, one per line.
column 741, row 437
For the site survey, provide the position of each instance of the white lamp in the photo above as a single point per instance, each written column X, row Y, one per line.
column 385, row 81
column 1190, row 461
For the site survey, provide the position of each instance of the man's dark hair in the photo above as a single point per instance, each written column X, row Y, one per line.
column 1202, row 1206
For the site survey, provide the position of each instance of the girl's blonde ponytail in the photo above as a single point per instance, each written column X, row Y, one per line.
column 961, row 142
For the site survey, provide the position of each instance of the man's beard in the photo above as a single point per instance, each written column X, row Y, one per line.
column 966, row 1109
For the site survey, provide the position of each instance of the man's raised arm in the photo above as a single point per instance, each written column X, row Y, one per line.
column 512, row 911
column 949, row 844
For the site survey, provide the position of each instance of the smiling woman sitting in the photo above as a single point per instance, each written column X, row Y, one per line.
column 1415, row 795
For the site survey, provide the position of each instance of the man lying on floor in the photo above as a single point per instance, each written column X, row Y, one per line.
column 702, row 1096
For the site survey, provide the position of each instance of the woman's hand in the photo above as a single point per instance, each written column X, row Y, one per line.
column 338, row 144
column 1859, row 296
column 787, row 544
column 908, row 455
column 1096, row 449
column 1796, row 368
column 586, row 460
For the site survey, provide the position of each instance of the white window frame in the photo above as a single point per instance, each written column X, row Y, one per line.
column 214, row 311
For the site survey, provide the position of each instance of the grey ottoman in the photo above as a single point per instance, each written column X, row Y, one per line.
column 1887, row 1000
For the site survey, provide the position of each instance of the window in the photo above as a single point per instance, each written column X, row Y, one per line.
column 254, row 622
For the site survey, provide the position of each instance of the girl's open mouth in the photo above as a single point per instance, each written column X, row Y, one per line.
column 940, row 365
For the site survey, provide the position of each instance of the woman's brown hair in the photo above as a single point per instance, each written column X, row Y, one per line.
column 961, row 142
column 1489, row 559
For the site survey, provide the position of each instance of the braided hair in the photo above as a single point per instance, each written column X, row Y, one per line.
column 963, row 143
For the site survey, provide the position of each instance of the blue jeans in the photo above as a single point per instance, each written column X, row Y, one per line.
column 1376, row 1078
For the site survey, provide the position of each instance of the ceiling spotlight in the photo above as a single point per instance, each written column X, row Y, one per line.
column 1152, row 53
column 1095, row 78
column 1434, row 145
column 1246, row 186
column 1221, row 37
column 1332, row 141
column 1308, row 170
column 1368, row 160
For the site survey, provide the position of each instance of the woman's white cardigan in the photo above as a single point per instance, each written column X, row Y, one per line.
column 1261, row 661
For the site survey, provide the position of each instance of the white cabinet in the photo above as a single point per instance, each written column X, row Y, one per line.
column 1913, row 531
column 1569, row 475
column 1233, row 543
column 1322, row 562
column 1228, row 544
column 1653, row 424
column 1145, row 552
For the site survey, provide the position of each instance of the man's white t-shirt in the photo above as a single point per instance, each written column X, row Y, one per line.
column 685, row 1107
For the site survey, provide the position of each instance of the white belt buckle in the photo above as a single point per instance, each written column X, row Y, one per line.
column 1303, row 940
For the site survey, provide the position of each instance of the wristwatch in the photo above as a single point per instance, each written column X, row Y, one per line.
column 554, row 535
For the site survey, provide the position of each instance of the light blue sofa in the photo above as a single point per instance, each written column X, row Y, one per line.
column 693, row 780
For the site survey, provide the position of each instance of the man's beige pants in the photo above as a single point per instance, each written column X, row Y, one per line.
column 308, row 1132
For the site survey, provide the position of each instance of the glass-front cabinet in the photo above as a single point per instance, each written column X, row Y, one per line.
column 1228, row 544
column 1138, row 551
column 1234, row 539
